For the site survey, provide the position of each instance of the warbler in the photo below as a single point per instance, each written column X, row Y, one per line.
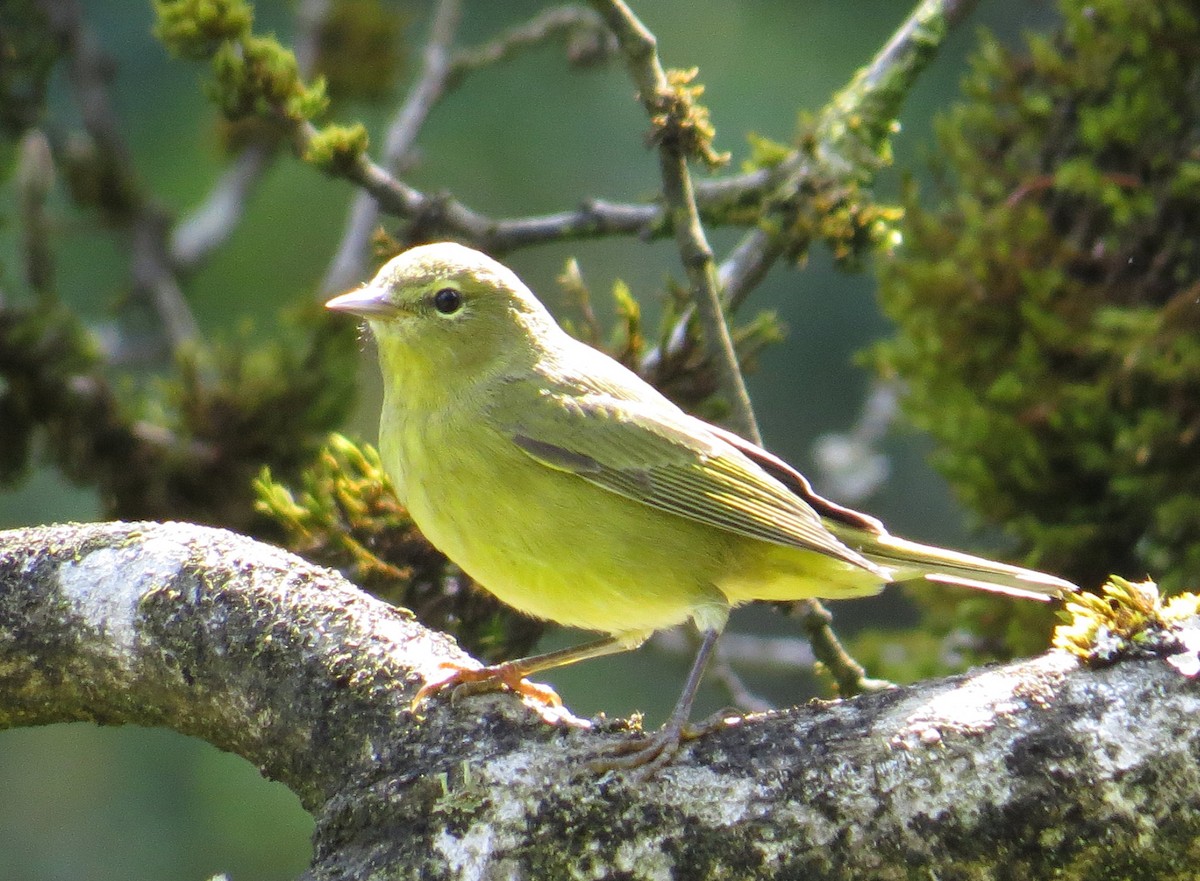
column 575, row 492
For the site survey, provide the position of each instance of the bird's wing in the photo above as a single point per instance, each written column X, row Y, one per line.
column 904, row 559
column 671, row 461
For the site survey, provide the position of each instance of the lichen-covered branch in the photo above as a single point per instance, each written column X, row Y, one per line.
column 211, row 634
column 1039, row 769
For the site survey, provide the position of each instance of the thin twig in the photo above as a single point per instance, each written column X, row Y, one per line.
column 639, row 47
column 571, row 22
column 876, row 93
column 445, row 215
column 442, row 70
column 441, row 214
column 847, row 673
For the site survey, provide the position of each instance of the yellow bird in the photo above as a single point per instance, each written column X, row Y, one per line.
column 575, row 492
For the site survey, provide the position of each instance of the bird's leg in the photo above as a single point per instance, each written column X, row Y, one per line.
column 511, row 674
column 648, row 754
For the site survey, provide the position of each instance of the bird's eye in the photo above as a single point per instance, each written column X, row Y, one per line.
column 447, row 301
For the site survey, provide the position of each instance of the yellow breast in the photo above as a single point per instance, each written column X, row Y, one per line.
column 549, row 543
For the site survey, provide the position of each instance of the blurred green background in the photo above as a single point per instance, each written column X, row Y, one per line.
column 78, row 801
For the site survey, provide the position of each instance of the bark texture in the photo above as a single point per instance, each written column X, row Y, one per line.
column 1039, row 769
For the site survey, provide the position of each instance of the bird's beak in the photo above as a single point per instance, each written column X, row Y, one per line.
column 367, row 301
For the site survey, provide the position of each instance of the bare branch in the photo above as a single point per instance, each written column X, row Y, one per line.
column 441, row 71
column 875, row 94
column 443, row 215
column 549, row 24
column 209, row 634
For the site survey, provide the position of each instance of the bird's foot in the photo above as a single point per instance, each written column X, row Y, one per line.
column 644, row 756
column 462, row 681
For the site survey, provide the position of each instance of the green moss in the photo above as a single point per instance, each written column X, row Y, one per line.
column 195, row 29
column 681, row 119
column 253, row 76
column 337, row 147
column 764, row 152
column 1048, row 322
column 1131, row 620
column 46, row 354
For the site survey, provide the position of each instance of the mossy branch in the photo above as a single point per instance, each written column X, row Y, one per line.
column 1026, row 770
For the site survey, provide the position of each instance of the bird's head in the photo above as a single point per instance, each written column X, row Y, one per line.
column 450, row 314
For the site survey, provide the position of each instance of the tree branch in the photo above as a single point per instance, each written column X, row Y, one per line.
column 1037, row 769
column 640, row 49
column 347, row 266
column 441, row 71
column 858, row 116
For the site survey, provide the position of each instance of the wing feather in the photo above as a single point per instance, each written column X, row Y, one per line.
column 673, row 462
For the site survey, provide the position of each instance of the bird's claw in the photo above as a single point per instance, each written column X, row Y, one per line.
column 463, row 681
column 644, row 756
column 475, row 680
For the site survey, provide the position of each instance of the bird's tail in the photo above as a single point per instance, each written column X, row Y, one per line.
column 906, row 560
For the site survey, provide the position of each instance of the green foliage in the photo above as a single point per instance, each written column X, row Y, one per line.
column 196, row 29
column 345, row 514
column 46, row 354
column 1131, row 620
column 681, row 119
column 191, row 450
column 1048, row 309
column 764, row 153
column 256, row 76
column 835, row 203
column 252, row 75
column 237, row 405
column 335, row 148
